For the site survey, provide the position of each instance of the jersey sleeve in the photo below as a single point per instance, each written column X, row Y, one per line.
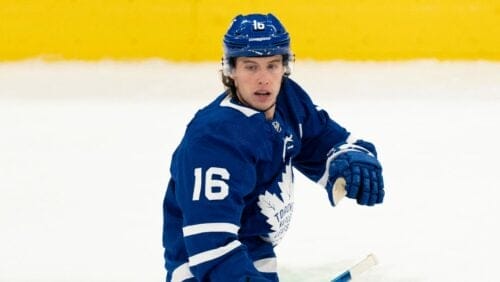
column 214, row 172
column 319, row 134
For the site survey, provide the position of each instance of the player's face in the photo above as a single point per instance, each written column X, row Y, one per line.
column 258, row 81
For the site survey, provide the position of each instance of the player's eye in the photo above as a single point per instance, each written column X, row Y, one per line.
column 250, row 67
column 273, row 67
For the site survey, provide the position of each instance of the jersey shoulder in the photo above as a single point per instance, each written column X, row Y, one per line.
column 295, row 95
column 226, row 122
column 294, row 102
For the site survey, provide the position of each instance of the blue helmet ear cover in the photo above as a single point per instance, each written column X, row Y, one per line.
column 256, row 35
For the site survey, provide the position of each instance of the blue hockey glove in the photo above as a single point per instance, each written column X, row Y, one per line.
column 357, row 163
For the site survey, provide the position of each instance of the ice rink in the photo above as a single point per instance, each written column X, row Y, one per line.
column 85, row 150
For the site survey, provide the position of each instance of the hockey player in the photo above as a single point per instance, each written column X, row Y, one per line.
column 230, row 197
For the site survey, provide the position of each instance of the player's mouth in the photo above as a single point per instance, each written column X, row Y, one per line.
column 262, row 93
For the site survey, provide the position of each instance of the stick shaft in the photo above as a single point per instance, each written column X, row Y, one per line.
column 339, row 191
column 363, row 265
column 357, row 269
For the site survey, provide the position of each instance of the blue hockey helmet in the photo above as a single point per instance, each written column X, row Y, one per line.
column 256, row 35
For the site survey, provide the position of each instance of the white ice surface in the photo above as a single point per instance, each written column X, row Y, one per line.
column 85, row 150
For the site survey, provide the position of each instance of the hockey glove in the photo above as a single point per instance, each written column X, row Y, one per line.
column 357, row 163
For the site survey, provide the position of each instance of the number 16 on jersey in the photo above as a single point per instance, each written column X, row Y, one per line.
column 215, row 188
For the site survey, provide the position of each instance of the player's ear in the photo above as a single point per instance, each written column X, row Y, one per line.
column 228, row 67
column 231, row 70
column 231, row 73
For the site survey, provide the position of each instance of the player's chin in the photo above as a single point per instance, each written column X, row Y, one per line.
column 264, row 106
column 264, row 101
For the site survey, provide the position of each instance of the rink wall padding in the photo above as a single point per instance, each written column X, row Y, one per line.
column 191, row 30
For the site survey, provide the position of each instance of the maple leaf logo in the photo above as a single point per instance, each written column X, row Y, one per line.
column 278, row 210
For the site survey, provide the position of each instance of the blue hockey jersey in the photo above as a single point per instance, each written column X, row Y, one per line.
column 230, row 197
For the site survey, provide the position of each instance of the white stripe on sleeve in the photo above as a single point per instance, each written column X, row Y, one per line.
column 181, row 273
column 210, row 227
column 267, row 265
column 326, row 175
column 213, row 254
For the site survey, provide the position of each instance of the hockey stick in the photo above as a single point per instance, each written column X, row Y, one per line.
column 356, row 270
column 339, row 191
